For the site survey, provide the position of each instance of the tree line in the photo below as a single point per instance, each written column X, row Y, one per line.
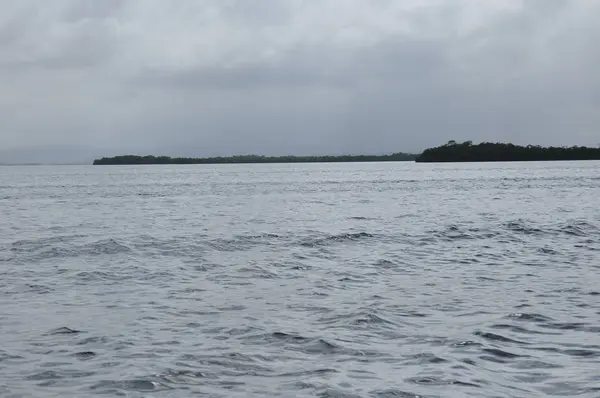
column 499, row 152
column 135, row 159
column 452, row 151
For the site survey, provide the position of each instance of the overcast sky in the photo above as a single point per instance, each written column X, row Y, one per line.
column 206, row 77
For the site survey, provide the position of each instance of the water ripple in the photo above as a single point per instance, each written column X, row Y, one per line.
column 371, row 280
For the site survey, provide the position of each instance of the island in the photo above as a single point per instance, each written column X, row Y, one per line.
column 452, row 151
column 498, row 152
column 140, row 160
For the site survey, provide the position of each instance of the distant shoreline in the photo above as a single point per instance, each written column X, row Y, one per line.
column 451, row 152
column 247, row 159
column 454, row 152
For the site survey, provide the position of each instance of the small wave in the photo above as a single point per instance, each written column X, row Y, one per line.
column 138, row 385
column 5, row 356
column 440, row 382
column 63, row 247
column 522, row 227
column 457, row 232
column 535, row 364
column 497, row 337
column 452, row 232
column 394, row 394
column 578, row 228
column 186, row 376
column 336, row 393
column 288, row 337
column 333, row 239
column 309, row 345
column 84, row 355
column 546, row 250
column 413, row 314
column 304, row 344
column 360, row 318
column 105, row 246
column 424, row 358
column 386, row 264
column 564, row 325
column 98, row 276
column 153, row 194
column 63, row 330
column 321, row 346
column 315, row 372
column 30, row 288
column 575, row 228
column 530, row 317
column 58, row 374
column 582, row 353
column 501, row 353
column 258, row 272
column 466, row 343
column 233, row 363
column 242, row 242
column 29, row 245
column 518, row 329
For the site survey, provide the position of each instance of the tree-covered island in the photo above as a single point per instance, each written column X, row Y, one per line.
column 135, row 159
column 498, row 152
column 450, row 152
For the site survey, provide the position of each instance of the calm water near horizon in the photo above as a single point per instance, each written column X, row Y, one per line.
column 301, row 280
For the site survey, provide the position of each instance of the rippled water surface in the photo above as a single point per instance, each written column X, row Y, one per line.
column 313, row 280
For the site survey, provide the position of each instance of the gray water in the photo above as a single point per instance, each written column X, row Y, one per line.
column 329, row 280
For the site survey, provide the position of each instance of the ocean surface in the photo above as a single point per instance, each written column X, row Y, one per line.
column 305, row 280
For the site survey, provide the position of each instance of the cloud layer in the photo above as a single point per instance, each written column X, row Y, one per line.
column 275, row 77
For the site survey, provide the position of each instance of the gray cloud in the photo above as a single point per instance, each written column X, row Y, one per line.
column 223, row 77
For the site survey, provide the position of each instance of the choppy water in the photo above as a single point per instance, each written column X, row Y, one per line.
column 336, row 280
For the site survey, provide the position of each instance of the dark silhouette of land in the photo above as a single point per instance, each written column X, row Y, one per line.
column 450, row 152
column 498, row 152
column 135, row 159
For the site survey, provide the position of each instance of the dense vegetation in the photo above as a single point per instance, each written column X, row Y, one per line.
column 134, row 159
column 450, row 152
column 498, row 152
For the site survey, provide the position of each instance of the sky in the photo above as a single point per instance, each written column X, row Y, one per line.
column 275, row 77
